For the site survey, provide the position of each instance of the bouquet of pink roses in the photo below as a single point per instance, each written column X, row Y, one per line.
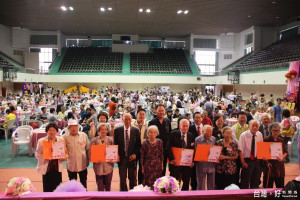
column 166, row 184
column 19, row 186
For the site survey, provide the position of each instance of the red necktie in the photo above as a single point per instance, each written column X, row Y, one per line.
column 198, row 130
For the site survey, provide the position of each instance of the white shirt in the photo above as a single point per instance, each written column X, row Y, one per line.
column 78, row 147
column 246, row 142
column 201, row 128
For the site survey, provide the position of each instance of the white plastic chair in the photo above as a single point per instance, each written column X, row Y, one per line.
column 10, row 125
column 64, row 131
column 44, row 125
column 21, row 119
column 294, row 118
column 24, row 138
column 27, row 118
column 80, row 127
column 290, row 143
column 98, row 109
column 25, row 126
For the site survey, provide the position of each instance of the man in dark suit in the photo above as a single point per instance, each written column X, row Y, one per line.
column 181, row 139
column 129, row 142
column 264, row 126
column 196, row 129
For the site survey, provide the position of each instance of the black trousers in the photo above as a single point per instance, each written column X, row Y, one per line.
column 51, row 180
column 251, row 176
column 286, row 140
column 165, row 166
column 140, row 174
column 238, row 171
column 82, row 176
column 224, row 180
column 124, row 167
column 182, row 172
column 279, row 181
column 194, row 178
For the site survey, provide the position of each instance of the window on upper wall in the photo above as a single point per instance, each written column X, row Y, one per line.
column 77, row 42
column 101, row 43
column 289, row 33
column 206, row 61
column 249, row 38
column 205, row 43
column 46, row 57
column 174, row 44
column 248, row 50
column 152, row 43
column 227, row 56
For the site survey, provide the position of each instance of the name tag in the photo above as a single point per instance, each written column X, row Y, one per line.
column 81, row 143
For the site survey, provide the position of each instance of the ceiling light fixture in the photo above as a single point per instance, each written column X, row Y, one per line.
column 249, row 16
column 63, row 8
column 179, row 11
column 71, row 8
column 141, row 10
column 148, row 10
column 186, row 12
column 273, row 2
column 277, row 17
column 110, row 9
column 102, row 9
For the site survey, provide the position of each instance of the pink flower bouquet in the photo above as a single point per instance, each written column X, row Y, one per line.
column 166, row 184
column 18, row 186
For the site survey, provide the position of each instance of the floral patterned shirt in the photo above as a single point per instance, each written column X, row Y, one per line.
column 227, row 166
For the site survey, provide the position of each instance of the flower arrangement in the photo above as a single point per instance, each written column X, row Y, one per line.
column 293, row 73
column 19, row 186
column 166, row 184
column 287, row 75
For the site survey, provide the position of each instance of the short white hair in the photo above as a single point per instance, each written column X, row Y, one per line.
column 183, row 120
column 152, row 127
column 207, row 126
column 102, row 124
column 253, row 121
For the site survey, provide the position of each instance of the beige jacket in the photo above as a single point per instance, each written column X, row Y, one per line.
column 143, row 131
column 42, row 163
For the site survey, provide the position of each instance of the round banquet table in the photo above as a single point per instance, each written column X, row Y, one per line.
column 2, row 120
column 231, row 122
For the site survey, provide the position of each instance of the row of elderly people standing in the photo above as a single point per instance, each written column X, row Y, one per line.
column 153, row 152
column 239, row 151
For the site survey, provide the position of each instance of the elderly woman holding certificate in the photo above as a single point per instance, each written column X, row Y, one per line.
column 48, row 163
column 226, row 168
column 103, row 170
column 273, row 169
column 152, row 157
